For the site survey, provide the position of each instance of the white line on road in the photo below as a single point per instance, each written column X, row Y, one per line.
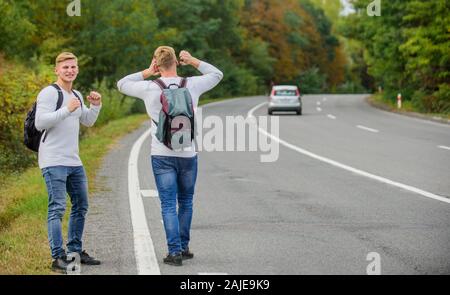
column 212, row 273
column 319, row 109
column 367, row 128
column 149, row 193
column 444, row 147
column 324, row 99
column 331, row 116
column 146, row 261
column 318, row 103
column 346, row 167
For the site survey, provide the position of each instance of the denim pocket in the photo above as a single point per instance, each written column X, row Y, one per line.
column 162, row 164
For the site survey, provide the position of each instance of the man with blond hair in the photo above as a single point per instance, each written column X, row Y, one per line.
column 175, row 171
column 59, row 111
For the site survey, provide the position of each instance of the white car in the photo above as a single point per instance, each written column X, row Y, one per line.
column 285, row 98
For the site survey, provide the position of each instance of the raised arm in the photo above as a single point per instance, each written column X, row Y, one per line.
column 211, row 75
column 90, row 115
column 135, row 84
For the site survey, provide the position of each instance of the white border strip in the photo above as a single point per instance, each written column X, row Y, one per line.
column 367, row 128
column 149, row 193
column 444, row 147
column 346, row 167
column 146, row 261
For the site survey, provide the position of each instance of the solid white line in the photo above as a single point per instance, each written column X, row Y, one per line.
column 146, row 261
column 367, row 128
column 331, row 116
column 149, row 193
column 346, row 167
column 319, row 109
column 444, row 147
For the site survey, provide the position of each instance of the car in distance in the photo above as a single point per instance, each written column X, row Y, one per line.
column 285, row 98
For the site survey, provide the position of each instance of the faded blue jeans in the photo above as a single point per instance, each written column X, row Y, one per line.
column 61, row 180
column 175, row 180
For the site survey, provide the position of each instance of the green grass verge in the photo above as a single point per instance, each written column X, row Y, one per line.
column 23, row 201
column 407, row 107
column 23, row 207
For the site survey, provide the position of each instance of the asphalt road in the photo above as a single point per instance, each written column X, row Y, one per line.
column 298, row 214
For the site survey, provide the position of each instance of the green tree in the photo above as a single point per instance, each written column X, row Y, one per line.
column 406, row 49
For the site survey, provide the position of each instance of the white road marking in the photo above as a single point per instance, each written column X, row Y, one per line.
column 444, row 147
column 331, row 116
column 212, row 273
column 319, row 109
column 324, row 99
column 146, row 261
column 318, row 103
column 346, row 167
column 149, row 193
column 367, row 128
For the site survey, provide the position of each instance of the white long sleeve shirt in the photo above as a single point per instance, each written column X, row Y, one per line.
column 60, row 147
column 150, row 92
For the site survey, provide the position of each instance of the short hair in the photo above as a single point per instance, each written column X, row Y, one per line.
column 165, row 56
column 63, row 56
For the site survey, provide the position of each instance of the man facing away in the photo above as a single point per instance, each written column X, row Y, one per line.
column 175, row 171
column 59, row 161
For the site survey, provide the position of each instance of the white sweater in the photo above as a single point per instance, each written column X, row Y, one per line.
column 149, row 92
column 61, row 144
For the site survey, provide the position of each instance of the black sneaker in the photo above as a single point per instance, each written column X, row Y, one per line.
column 60, row 265
column 186, row 254
column 175, row 260
column 88, row 260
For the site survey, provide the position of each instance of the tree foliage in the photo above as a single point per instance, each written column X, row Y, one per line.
column 407, row 49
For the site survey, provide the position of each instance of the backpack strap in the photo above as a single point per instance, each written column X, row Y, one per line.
column 163, row 86
column 74, row 93
column 183, row 82
column 60, row 96
column 160, row 83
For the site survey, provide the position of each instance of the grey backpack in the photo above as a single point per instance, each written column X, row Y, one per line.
column 176, row 118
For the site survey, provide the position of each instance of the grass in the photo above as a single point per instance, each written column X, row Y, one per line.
column 23, row 201
column 407, row 107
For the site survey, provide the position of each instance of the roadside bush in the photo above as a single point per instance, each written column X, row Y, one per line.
column 442, row 103
column 19, row 87
column 350, row 87
column 312, row 81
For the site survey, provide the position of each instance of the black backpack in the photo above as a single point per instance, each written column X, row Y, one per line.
column 32, row 136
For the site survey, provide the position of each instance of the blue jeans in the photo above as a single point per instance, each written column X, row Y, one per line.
column 61, row 180
column 175, row 180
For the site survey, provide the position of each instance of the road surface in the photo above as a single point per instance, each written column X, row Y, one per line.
column 349, row 180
